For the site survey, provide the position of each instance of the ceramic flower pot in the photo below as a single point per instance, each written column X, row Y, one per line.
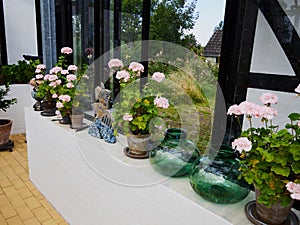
column 216, row 180
column 49, row 108
column 276, row 214
column 76, row 120
column 175, row 155
column 5, row 128
column 138, row 146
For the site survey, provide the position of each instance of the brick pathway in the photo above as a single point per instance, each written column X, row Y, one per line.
column 20, row 202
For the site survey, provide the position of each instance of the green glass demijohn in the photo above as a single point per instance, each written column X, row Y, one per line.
column 216, row 180
column 175, row 155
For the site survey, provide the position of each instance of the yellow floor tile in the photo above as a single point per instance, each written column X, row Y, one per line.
column 3, row 200
column 41, row 214
column 50, row 222
column 18, row 183
column 17, row 201
column 25, row 193
column 8, row 211
column 10, row 191
column 2, row 220
column 24, row 212
column 46, row 205
column 14, row 221
column 29, row 185
column 32, row 221
column 56, row 216
column 32, row 203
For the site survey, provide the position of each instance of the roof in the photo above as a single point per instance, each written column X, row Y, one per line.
column 213, row 47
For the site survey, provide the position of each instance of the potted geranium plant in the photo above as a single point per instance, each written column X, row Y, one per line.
column 269, row 158
column 5, row 124
column 59, row 86
column 136, row 107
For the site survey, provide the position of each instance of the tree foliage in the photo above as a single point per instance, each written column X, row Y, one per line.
column 171, row 20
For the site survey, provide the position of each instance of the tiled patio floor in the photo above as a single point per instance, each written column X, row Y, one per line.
column 20, row 202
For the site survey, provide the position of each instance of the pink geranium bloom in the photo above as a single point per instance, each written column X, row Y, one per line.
column 46, row 77
column 299, row 123
column 66, row 50
column 64, row 98
column 39, row 76
column 70, row 85
column 72, row 68
column 123, row 74
column 115, row 63
column 37, row 70
column 161, row 102
column 136, row 67
column 127, row 117
column 41, row 67
column 250, row 109
column 64, row 72
column 297, row 89
column 54, row 96
column 85, row 76
column 242, row 144
column 55, row 70
column 71, row 77
column 234, row 110
column 53, row 77
column 59, row 105
column 268, row 112
column 294, row 189
column 52, row 84
column 157, row 76
column 268, row 98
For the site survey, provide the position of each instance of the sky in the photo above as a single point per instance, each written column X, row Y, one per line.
column 211, row 12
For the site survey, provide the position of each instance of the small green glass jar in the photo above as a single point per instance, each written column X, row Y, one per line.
column 217, row 180
column 175, row 155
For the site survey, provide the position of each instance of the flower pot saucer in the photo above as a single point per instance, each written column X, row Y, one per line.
column 135, row 156
column 250, row 211
column 8, row 146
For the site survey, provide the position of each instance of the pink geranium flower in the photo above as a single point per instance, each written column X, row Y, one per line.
column 136, row 67
column 268, row 98
column 41, row 66
column 37, row 70
column 72, row 68
column 55, row 70
column 54, row 96
column 71, row 77
column 53, row 77
column 39, row 76
column 64, row 98
column 123, row 74
column 59, row 105
column 299, row 123
column 294, row 189
column 250, row 109
column 46, row 77
column 268, row 112
column 66, row 50
column 234, row 110
column 70, row 85
column 161, row 102
column 242, row 144
column 64, row 72
column 115, row 63
column 127, row 117
column 159, row 77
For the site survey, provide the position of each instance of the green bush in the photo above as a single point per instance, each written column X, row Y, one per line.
column 22, row 72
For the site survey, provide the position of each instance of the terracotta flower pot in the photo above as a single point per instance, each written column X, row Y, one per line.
column 5, row 128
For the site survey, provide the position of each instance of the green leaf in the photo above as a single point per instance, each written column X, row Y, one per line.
column 294, row 116
column 296, row 167
column 294, row 149
column 280, row 170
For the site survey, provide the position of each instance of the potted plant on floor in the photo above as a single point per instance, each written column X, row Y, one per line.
column 270, row 160
column 5, row 124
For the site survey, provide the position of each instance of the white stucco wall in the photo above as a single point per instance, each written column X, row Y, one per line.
column 20, row 29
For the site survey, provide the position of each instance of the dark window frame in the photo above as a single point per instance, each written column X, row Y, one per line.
column 3, row 49
column 235, row 77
